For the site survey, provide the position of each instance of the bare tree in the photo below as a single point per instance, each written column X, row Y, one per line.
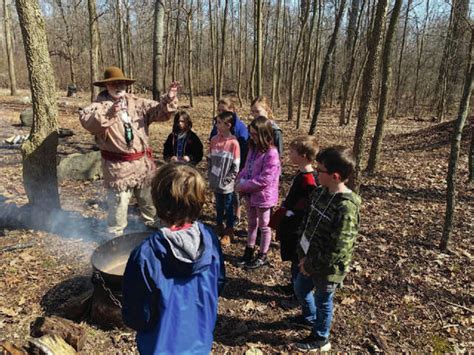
column 400, row 61
column 420, row 46
column 374, row 155
column 450, row 72
column 367, row 88
column 220, row 81
column 69, row 42
column 39, row 151
column 305, row 71
column 258, row 48
column 304, row 22
column 241, row 55
column 355, row 17
column 189, row 17
column 455, row 148
column 214, row 69
column 324, row 70
column 94, row 47
column 120, row 40
column 9, row 46
column 159, row 16
column 275, row 53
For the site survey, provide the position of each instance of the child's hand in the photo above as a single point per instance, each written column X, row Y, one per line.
column 301, row 267
column 186, row 158
column 174, row 159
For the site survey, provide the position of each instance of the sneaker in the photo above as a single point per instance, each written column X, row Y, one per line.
column 312, row 343
column 237, row 222
column 247, row 257
column 259, row 261
column 301, row 321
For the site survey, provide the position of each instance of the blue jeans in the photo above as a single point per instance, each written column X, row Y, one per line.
column 225, row 205
column 317, row 304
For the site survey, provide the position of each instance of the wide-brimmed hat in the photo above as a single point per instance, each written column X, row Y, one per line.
column 113, row 74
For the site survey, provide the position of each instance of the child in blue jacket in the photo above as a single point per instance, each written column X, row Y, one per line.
column 173, row 278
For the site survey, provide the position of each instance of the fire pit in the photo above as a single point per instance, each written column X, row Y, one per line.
column 109, row 261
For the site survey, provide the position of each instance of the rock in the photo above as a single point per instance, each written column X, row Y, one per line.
column 26, row 117
column 73, row 334
column 25, row 100
column 80, row 167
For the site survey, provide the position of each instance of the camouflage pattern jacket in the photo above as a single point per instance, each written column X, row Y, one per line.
column 331, row 227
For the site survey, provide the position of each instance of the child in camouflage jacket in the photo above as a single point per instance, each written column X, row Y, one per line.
column 327, row 243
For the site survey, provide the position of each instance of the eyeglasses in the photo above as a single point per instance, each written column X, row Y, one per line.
column 322, row 171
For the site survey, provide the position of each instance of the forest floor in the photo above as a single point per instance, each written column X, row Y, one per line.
column 402, row 293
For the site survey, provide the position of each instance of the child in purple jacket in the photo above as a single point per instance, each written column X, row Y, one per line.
column 258, row 181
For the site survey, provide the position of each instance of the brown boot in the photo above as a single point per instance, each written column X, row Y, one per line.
column 228, row 236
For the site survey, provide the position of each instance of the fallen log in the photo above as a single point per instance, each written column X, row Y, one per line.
column 71, row 332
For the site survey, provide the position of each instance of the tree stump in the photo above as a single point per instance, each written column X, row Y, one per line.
column 71, row 332
column 50, row 344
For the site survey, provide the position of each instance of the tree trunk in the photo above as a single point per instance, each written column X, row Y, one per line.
column 450, row 73
column 94, row 47
column 129, row 53
column 190, row 54
column 304, row 23
column 167, row 47
column 121, row 45
column 312, row 92
column 356, row 88
column 420, row 45
column 305, row 72
column 374, row 155
column 214, row 72
column 455, row 148
column 259, row 48
column 39, row 151
column 69, row 41
column 351, row 46
column 176, row 44
column 221, row 66
column 471, row 157
column 159, row 17
column 9, row 46
column 276, row 54
column 324, row 70
column 280, row 59
column 400, row 61
column 367, row 89
column 241, row 56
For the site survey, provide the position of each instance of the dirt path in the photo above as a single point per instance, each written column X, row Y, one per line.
column 401, row 294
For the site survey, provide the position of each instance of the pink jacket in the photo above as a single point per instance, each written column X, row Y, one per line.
column 260, row 177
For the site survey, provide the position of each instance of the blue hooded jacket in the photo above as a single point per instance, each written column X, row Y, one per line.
column 170, row 290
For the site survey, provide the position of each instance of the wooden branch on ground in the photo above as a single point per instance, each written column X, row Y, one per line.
column 16, row 247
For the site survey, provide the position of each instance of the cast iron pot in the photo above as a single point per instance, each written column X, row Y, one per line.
column 110, row 258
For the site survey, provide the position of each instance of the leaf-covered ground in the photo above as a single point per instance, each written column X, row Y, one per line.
column 401, row 294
